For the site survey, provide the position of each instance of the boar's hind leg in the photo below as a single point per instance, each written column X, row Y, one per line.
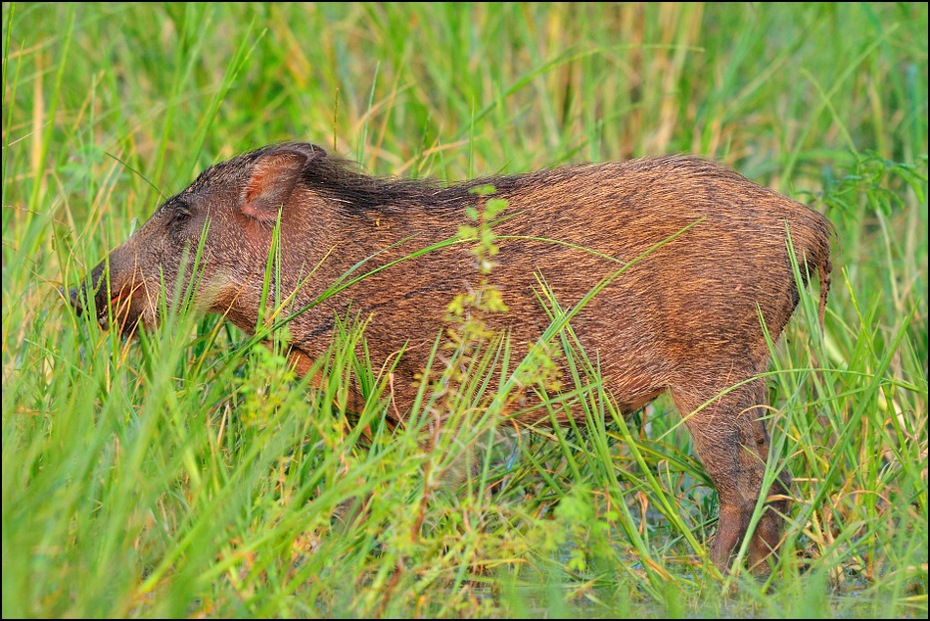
column 732, row 442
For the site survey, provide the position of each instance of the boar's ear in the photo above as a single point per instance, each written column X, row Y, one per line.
column 273, row 178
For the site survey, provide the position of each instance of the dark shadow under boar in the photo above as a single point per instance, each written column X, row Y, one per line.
column 685, row 319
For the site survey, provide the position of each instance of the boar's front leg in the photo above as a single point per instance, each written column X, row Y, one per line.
column 732, row 442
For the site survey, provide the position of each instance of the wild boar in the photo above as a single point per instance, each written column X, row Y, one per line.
column 685, row 318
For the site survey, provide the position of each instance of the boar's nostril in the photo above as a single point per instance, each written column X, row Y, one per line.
column 75, row 298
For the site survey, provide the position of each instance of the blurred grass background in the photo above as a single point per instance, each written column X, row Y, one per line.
column 189, row 475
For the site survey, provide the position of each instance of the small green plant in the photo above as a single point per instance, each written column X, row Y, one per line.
column 467, row 310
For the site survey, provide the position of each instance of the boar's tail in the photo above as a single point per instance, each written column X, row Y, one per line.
column 818, row 258
column 824, row 268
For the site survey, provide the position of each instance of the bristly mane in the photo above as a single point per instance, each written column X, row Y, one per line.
column 341, row 181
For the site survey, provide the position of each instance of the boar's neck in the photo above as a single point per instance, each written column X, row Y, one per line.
column 334, row 241
column 362, row 225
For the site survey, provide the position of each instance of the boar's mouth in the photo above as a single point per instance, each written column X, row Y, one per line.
column 123, row 307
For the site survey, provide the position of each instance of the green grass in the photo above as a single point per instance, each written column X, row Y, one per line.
column 189, row 473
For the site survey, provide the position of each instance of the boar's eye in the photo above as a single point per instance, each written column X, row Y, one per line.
column 180, row 214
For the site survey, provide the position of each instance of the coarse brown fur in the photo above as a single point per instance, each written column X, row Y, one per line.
column 684, row 319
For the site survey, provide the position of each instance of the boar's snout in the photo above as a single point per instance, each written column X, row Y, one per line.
column 112, row 301
column 75, row 297
column 79, row 297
